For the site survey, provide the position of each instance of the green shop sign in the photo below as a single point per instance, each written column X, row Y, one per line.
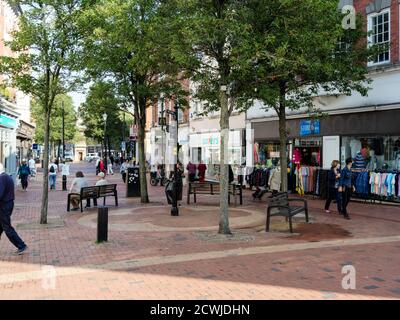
column 8, row 121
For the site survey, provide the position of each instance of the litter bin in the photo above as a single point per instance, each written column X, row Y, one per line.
column 133, row 182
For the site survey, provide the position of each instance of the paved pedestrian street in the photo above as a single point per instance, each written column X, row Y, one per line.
column 152, row 255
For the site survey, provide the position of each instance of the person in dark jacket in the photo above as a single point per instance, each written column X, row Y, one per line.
column 7, row 197
column 333, row 185
column 231, row 177
column 346, row 187
column 23, row 173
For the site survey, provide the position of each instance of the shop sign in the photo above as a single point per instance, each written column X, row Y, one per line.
column 7, row 121
column 309, row 127
column 211, row 141
column 35, row 146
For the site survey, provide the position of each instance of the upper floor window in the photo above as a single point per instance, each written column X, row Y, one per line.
column 379, row 25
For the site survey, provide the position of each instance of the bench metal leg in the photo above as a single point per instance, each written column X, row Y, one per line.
column 241, row 196
column 81, row 205
column 116, row 199
column 194, row 196
column 104, row 201
column 290, row 224
column 95, row 202
column 307, row 215
column 188, row 195
column 69, row 203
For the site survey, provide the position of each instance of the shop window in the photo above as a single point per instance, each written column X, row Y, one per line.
column 379, row 25
column 372, row 153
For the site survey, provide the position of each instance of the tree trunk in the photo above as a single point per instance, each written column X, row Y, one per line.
column 224, row 169
column 142, row 157
column 45, row 194
column 283, row 138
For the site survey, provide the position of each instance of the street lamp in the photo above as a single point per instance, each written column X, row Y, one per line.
column 105, row 140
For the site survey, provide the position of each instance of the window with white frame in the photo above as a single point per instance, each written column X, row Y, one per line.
column 379, row 24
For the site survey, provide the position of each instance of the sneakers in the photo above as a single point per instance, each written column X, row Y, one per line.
column 347, row 217
column 21, row 251
column 327, row 211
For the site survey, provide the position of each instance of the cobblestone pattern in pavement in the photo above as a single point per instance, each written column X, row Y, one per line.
column 206, row 269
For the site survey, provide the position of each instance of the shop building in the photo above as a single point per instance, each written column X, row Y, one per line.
column 8, row 137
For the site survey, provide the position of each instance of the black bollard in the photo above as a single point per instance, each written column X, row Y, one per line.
column 64, row 183
column 102, row 224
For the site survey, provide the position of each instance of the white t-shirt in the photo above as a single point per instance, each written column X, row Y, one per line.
column 78, row 184
column 101, row 182
column 65, row 169
column 55, row 169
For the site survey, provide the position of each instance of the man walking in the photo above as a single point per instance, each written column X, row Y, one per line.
column 6, row 208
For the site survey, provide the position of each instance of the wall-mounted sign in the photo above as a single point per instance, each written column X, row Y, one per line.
column 8, row 121
column 309, row 127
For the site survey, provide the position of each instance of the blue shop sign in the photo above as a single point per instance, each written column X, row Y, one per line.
column 8, row 121
column 309, row 127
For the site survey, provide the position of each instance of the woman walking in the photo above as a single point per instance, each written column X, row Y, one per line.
column 333, row 185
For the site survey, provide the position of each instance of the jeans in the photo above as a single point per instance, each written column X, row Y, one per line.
column 6, row 210
column 24, row 181
column 52, row 180
column 346, row 194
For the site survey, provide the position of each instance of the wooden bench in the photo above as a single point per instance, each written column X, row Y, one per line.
column 95, row 192
column 213, row 188
column 279, row 205
column 86, row 193
column 108, row 190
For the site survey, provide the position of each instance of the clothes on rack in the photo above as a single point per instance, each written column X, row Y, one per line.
column 305, row 178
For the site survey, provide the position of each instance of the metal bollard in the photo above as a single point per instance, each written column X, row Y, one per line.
column 102, row 224
column 64, row 183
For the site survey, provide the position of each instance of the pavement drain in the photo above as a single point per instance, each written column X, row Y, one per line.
column 396, row 291
column 327, row 270
column 371, row 287
column 276, row 270
column 378, row 279
column 212, row 236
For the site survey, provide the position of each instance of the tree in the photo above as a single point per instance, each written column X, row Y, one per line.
column 125, row 43
column 296, row 51
column 70, row 118
column 102, row 99
column 206, row 39
column 47, row 45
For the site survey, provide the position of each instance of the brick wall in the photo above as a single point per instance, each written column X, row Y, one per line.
column 361, row 5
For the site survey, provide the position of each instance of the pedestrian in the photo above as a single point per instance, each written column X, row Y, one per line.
column 98, row 166
column 7, row 197
column 274, row 181
column 124, row 169
column 53, row 168
column 191, row 168
column 23, row 173
column 102, row 181
column 32, row 167
column 346, row 186
column 110, row 166
column 333, row 185
column 202, row 168
column 77, row 184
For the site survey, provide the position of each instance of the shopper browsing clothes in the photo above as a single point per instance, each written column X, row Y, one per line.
column 333, row 185
column 346, row 187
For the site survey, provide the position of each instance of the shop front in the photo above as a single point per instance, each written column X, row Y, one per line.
column 205, row 147
column 371, row 138
column 8, row 152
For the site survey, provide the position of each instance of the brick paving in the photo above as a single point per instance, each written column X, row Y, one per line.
column 151, row 255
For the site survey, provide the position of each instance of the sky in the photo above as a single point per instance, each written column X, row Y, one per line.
column 77, row 98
